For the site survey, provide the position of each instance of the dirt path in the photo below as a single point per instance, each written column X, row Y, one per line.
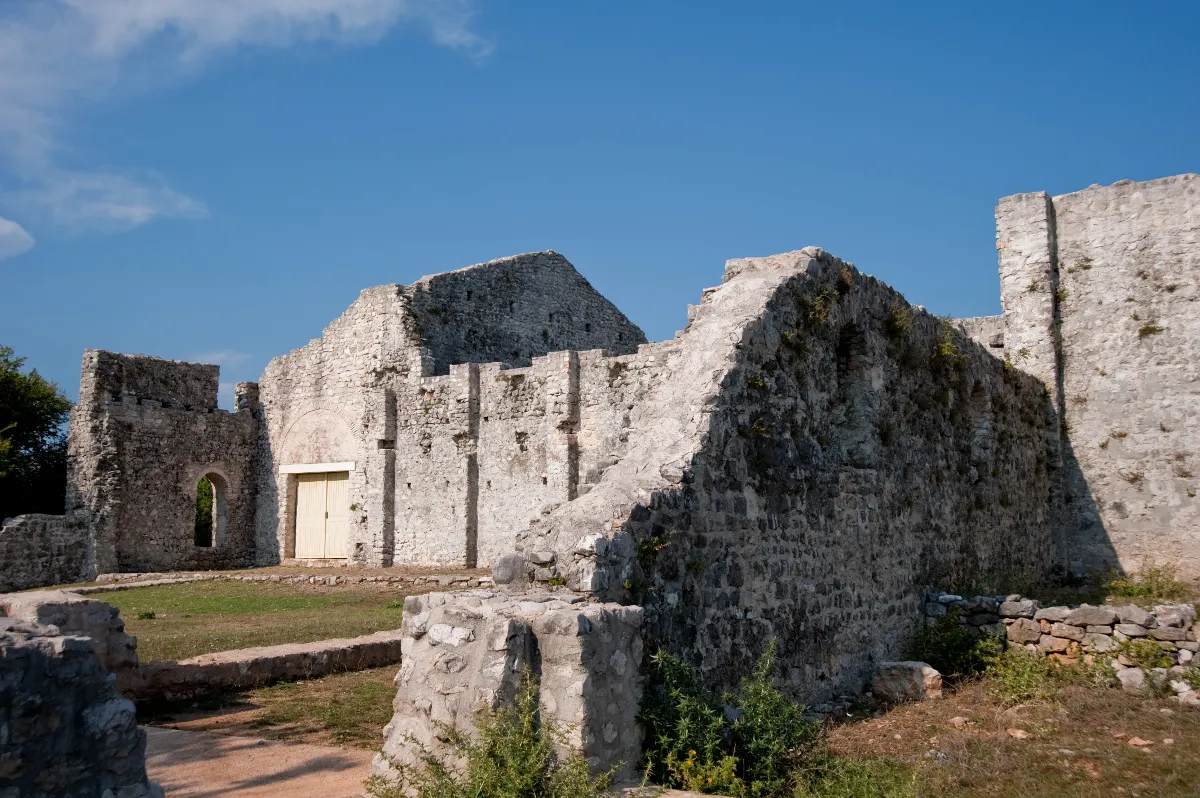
column 197, row 765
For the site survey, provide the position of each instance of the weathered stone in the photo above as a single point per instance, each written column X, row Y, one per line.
column 1024, row 608
column 1177, row 615
column 69, row 732
column 1067, row 631
column 510, row 568
column 906, row 681
column 1172, row 633
column 1099, row 630
column 1050, row 643
column 1133, row 680
column 935, row 609
column 1025, row 630
column 1101, row 644
column 1137, row 615
column 1086, row 615
column 1052, row 614
column 1129, row 630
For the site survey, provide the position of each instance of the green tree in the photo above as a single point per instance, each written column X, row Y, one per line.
column 33, row 443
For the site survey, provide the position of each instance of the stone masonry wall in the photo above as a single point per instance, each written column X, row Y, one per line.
column 67, row 732
column 38, row 550
column 1100, row 302
column 142, row 435
column 466, row 652
column 394, row 386
column 813, row 451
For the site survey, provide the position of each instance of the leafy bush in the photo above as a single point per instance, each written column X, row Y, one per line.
column 951, row 648
column 511, row 756
column 693, row 745
column 1152, row 582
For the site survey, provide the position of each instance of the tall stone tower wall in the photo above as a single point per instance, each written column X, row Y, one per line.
column 1102, row 303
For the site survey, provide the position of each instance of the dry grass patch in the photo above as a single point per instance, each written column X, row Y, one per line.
column 184, row 620
column 969, row 744
column 347, row 709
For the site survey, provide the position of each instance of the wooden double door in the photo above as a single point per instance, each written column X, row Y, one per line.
column 323, row 516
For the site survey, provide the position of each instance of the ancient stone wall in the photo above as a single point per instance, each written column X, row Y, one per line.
column 67, row 732
column 389, row 388
column 467, row 652
column 38, row 550
column 1101, row 303
column 145, row 431
column 813, row 451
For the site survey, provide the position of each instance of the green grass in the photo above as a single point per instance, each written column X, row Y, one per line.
column 184, row 620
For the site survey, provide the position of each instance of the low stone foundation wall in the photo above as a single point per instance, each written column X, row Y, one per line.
column 66, row 730
column 111, row 582
column 242, row 669
column 1070, row 631
column 38, row 550
column 465, row 652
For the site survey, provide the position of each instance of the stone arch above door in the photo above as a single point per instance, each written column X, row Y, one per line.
column 319, row 436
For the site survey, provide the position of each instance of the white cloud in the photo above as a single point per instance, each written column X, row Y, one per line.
column 13, row 239
column 58, row 55
column 221, row 357
column 225, row 395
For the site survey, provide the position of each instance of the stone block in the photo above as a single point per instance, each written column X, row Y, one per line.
column 1056, row 644
column 1133, row 680
column 906, row 681
column 1087, row 615
column 1101, row 644
column 1024, row 630
column 1066, row 630
column 1022, row 608
column 1172, row 633
column 1134, row 614
column 589, row 655
column 1129, row 630
column 1052, row 614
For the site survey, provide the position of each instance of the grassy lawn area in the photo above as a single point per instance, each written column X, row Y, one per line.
column 1077, row 746
column 180, row 621
column 348, row 709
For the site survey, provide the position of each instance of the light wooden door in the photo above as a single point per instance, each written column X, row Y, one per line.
column 337, row 515
column 323, row 516
column 310, row 516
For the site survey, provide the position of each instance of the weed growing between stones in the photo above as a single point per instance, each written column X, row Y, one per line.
column 512, row 755
column 753, row 743
column 949, row 647
column 1145, row 654
column 1019, row 676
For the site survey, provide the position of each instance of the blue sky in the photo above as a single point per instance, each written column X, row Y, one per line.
column 218, row 180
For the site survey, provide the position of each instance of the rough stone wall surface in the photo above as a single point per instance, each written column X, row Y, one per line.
column 67, row 732
column 72, row 614
column 38, row 550
column 466, row 652
column 813, row 451
column 135, row 461
column 1101, row 302
column 395, row 386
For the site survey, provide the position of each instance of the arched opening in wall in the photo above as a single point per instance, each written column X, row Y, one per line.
column 211, row 511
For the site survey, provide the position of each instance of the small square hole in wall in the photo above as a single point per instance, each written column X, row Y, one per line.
column 545, row 481
column 489, row 483
column 408, row 485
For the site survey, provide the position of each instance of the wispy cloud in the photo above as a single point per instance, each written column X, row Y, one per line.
column 221, row 357
column 57, row 56
column 13, row 239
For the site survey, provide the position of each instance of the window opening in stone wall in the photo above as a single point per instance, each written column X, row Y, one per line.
column 211, row 511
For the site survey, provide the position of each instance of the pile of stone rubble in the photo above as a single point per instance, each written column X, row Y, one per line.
column 1068, row 633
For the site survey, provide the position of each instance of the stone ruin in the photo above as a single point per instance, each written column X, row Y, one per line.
column 800, row 462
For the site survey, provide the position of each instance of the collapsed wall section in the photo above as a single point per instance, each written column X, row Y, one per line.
column 1100, row 302
column 813, row 452
column 145, row 431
